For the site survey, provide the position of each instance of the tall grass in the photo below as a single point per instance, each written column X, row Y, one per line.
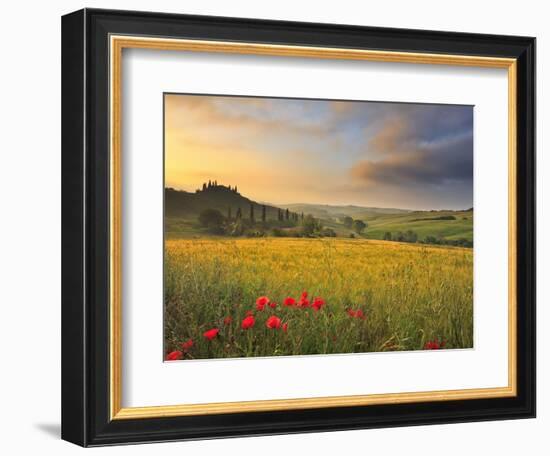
column 409, row 294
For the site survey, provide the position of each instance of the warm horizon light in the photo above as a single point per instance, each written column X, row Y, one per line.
column 289, row 151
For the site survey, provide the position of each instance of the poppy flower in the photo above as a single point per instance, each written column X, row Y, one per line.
column 249, row 313
column 318, row 303
column 434, row 345
column 248, row 322
column 211, row 333
column 285, row 327
column 272, row 305
column 173, row 356
column 261, row 302
column 289, row 302
column 187, row 345
column 227, row 321
column 303, row 302
column 356, row 313
column 273, row 322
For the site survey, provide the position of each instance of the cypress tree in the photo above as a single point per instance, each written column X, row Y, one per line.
column 263, row 213
column 287, row 213
column 239, row 214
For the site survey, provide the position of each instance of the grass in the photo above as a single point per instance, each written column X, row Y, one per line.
column 420, row 223
column 409, row 293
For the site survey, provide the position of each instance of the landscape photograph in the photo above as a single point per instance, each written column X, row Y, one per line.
column 316, row 227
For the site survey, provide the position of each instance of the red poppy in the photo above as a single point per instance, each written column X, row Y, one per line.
column 318, row 303
column 285, row 327
column 211, row 333
column 303, row 302
column 289, row 301
column 434, row 345
column 248, row 322
column 272, row 305
column 173, row 356
column 187, row 345
column 227, row 321
column 261, row 302
column 273, row 322
column 356, row 313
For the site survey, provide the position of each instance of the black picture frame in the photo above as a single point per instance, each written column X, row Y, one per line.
column 85, row 228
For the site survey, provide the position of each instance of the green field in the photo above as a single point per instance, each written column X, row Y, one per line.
column 423, row 224
column 407, row 295
column 378, row 225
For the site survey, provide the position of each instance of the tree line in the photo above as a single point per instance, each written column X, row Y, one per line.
column 287, row 223
column 412, row 237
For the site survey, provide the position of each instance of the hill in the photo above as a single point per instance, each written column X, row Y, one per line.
column 451, row 225
column 182, row 211
column 188, row 205
column 335, row 211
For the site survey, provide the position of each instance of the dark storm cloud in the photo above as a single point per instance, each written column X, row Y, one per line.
column 420, row 146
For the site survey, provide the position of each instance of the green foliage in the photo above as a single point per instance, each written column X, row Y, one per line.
column 212, row 219
column 327, row 232
column 407, row 236
column 442, row 217
column 347, row 221
column 359, row 226
column 310, row 225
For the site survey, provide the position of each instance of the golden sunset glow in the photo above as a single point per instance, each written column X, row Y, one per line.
column 316, row 151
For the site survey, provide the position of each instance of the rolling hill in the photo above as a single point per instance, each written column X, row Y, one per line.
column 188, row 205
column 450, row 225
column 334, row 211
column 183, row 208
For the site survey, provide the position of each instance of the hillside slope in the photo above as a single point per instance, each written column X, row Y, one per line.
column 189, row 205
column 334, row 211
column 445, row 224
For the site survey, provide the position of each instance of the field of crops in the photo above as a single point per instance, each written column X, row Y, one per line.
column 271, row 296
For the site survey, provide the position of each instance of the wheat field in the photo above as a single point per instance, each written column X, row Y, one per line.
column 226, row 297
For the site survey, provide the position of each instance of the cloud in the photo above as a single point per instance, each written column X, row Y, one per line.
column 367, row 153
column 420, row 147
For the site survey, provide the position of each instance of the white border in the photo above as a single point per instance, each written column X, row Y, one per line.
column 148, row 381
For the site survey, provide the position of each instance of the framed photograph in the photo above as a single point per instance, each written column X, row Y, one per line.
column 278, row 227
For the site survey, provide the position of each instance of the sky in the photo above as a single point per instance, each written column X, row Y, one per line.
column 285, row 151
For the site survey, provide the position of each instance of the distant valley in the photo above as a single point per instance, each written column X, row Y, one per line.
column 242, row 216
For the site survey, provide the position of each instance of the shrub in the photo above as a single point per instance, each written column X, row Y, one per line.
column 212, row 219
column 347, row 221
column 359, row 226
column 328, row 232
column 278, row 232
